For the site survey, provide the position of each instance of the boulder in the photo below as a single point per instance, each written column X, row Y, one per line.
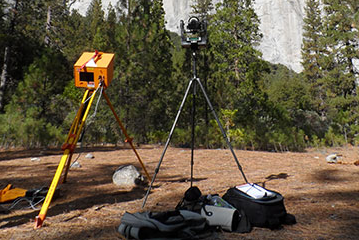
column 127, row 176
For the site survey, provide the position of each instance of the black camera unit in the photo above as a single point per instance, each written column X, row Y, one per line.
column 195, row 34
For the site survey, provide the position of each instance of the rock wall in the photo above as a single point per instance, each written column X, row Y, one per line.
column 281, row 25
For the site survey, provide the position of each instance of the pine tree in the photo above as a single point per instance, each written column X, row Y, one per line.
column 29, row 26
column 202, row 8
column 97, row 26
column 313, row 52
column 110, row 28
column 35, row 108
column 234, row 32
column 77, row 37
column 339, row 81
column 313, row 32
column 236, row 66
column 144, row 66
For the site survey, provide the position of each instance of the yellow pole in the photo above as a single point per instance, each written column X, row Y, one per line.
column 75, row 122
column 42, row 215
column 70, row 146
column 73, row 129
column 128, row 139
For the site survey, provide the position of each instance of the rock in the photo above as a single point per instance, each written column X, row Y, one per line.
column 127, row 176
column 332, row 158
column 75, row 164
column 89, row 156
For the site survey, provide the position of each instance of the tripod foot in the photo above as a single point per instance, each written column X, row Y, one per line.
column 39, row 220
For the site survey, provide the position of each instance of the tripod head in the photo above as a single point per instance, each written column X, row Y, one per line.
column 194, row 35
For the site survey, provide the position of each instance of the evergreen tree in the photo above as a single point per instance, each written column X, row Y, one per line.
column 289, row 92
column 29, row 25
column 76, row 36
column 97, row 26
column 236, row 66
column 313, row 52
column 202, row 8
column 234, row 32
column 312, row 47
column 36, row 107
column 110, row 28
column 339, row 81
column 144, row 66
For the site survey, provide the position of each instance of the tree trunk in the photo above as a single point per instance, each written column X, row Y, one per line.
column 4, row 71
column 3, row 78
column 48, row 26
column 128, row 47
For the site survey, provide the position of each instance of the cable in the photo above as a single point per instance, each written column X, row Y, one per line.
column 30, row 200
column 90, row 120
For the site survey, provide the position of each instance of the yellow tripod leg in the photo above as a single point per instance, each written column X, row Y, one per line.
column 74, row 129
column 70, row 145
column 128, row 139
column 41, row 217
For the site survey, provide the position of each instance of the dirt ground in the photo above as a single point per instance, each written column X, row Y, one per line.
column 323, row 197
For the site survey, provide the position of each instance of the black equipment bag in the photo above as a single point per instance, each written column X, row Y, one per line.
column 268, row 211
column 179, row 224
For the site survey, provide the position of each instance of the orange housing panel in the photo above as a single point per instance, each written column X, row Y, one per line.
column 89, row 71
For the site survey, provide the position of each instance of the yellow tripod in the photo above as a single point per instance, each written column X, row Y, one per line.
column 70, row 145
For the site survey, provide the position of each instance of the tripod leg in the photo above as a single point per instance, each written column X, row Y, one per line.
column 73, row 129
column 193, row 128
column 222, row 130
column 167, row 143
column 128, row 139
column 68, row 148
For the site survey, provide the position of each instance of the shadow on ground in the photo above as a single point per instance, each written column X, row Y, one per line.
column 40, row 152
column 78, row 204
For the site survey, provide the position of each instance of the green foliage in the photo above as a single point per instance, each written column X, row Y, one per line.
column 313, row 48
column 333, row 139
column 215, row 139
column 33, row 109
column 233, row 33
column 157, row 137
column 145, row 67
column 329, row 48
column 182, row 137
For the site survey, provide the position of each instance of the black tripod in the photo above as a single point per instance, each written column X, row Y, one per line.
column 193, row 83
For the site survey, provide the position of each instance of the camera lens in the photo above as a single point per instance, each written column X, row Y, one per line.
column 194, row 24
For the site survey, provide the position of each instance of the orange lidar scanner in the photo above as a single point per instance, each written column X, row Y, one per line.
column 92, row 68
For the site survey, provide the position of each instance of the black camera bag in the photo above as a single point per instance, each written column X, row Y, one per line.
column 267, row 212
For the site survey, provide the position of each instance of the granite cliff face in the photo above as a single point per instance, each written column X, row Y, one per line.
column 281, row 25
